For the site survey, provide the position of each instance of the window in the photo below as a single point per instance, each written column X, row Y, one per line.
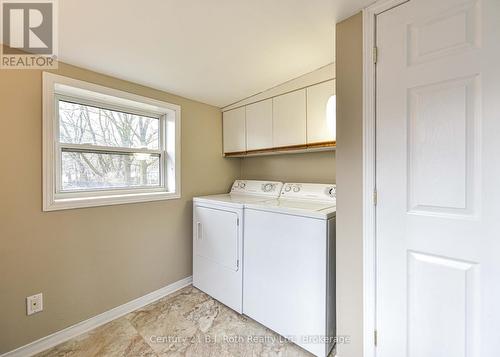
column 103, row 146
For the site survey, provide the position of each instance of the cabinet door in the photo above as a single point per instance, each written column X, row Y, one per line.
column 259, row 124
column 234, row 130
column 289, row 119
column 321, row 113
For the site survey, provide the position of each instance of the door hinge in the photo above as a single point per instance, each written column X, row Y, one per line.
column 375, row 337
column 375, row 54
column 375, row 197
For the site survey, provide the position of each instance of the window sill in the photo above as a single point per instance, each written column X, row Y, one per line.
column 107, row 200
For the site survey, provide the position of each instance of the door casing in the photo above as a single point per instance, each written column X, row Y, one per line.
column 369, row 178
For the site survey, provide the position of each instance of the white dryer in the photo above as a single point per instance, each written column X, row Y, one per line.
column 218, row 239
column 289, row 265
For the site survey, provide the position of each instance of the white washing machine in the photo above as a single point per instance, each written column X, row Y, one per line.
column 289, row 265
column 218, row 239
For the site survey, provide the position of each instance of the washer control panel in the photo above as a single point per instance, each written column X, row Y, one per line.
column 312, row 191
column 292, row 187
column 255, row 187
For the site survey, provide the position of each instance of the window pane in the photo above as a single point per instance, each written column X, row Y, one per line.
column 90, row 171
column 84, row 124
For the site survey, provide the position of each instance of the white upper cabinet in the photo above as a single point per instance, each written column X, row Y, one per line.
column 289, row 119
column 259, row 124
column 321, row 113
column 234, row 130
column 300, row 120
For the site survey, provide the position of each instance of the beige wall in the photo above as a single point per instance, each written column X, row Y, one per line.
column 349, row 40
column 86, row 261
column 318, row 167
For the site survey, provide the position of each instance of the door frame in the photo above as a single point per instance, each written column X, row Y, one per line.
column 369, row 172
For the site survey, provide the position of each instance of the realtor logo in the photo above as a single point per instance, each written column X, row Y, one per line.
column 28, row 34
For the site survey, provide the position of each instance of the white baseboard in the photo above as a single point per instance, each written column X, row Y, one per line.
column 68, row 333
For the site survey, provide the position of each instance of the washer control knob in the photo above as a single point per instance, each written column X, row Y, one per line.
column 296, row 189
column 332, row 191
column 288, row 188
column 242, row 185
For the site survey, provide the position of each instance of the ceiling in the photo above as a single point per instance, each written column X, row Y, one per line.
column 216, row 52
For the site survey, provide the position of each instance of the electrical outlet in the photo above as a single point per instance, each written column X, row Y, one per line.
column 34, row 304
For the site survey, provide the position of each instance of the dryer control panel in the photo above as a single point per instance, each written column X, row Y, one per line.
column 310, row 191
column 255, row 187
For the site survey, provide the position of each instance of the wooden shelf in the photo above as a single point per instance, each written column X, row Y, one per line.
column 313, row 147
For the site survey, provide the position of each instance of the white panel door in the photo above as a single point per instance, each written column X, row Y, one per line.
column 321, row 112
column 289, row 119
column 438, row 150
column 233, row 122
column 259, row 117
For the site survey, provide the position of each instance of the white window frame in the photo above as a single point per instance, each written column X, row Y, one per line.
column 55, row 88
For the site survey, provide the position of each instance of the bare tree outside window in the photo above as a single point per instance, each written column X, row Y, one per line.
column 84, row 169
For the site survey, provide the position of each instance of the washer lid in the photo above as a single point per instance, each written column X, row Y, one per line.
column 301, row 204
column 304, row 208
